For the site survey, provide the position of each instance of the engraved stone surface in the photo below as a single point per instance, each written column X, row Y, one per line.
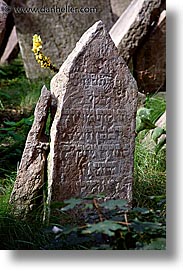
column 93, row 132
column 31, row 173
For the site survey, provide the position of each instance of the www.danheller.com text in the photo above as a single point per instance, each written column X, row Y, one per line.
column 55, row 9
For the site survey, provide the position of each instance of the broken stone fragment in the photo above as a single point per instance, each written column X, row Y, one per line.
column 31, row 173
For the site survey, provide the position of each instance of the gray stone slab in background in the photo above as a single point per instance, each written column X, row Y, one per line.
column 3, row 17
column 150, row 60
column 60, row 24
column 11, row 44
column 93, row 132
column 133, row 25
column 119, row 6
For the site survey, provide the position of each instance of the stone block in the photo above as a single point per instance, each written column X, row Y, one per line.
column 93, row 131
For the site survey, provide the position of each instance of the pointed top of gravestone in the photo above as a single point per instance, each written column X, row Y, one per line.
column 93, row 132
column 81, row 45
column 85, row 39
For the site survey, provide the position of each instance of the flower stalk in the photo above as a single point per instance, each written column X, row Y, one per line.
column 43, row 60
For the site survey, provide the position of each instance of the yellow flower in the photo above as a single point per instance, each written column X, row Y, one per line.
column 43, row 60
column 37, row 43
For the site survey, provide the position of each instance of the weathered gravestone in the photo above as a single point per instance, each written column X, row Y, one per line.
column 150, row 60
column 93, row 132
column 28, row 188
column 119, row 6
column 134, row 24
column 60, row 24
column 11, row 49
column 3, row 18
column 6, row 25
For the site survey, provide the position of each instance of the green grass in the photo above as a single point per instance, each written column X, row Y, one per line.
column 18, row 97
column 16, row 91
column 157, row 105
column 17, row 235
column 149, row 174
column 149, row 166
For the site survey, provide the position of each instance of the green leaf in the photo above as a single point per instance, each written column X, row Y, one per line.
column 89, row 206
column 105, row 227
column 56, row 204
column 157, row 198
column 16, row 137
column 2, row 72
column 147, row 123
column 95, row 196
column 143, row 112
column 24, row 121
column 112, row 204
column 10, row 123
column 141, row 210
column 157, row 133
column 138, row 122
column 152, row 225
column 144, row 226
column 156, row 244
column 157, row 104
column 144, row 124
column 28, row 121
column 160, row 144
column 8, row 129
column 5, row 95
column 69, row 229
column 71, row 204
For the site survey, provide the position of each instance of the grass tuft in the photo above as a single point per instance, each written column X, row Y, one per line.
column 149, row 174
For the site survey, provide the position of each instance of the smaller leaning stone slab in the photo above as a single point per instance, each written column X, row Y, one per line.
column 31, row 173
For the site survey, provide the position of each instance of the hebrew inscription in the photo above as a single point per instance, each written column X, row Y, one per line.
column 93, row 132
